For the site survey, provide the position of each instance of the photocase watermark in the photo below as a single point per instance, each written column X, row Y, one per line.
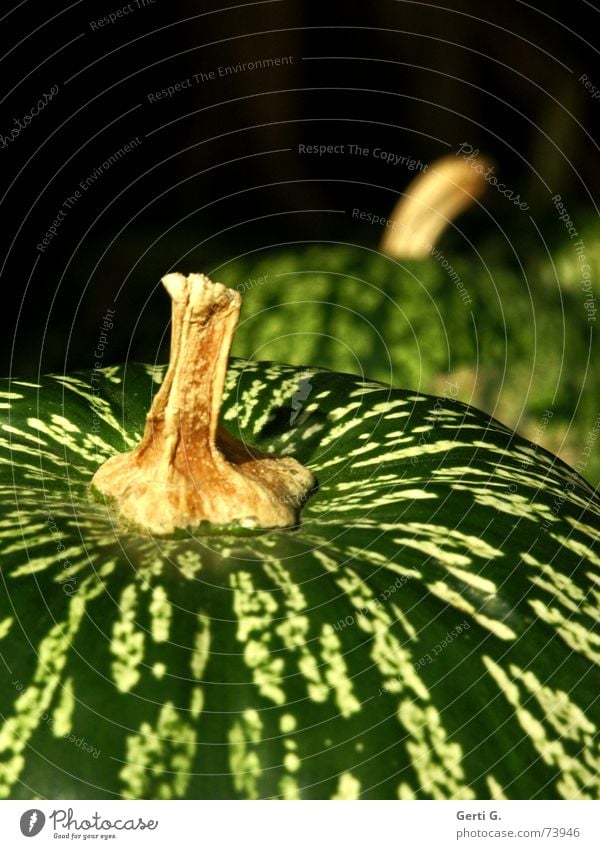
column 563, row 215
column 453, row 275
column 242, row 67
column 350, row 620
column 374, row 218
column 558, row 504
column 450, row 392
column 120, row 13
column 71, row 201
column 590, row 442
column 220, row 72
column 67, row 581
column 25, row 120
column 569, row 486
column 301, row 394
column 443, row 644
column 436, row 253
column 115, row 157
column 106, row 326
column 347, row 149
column 541, row 427
column 589, row 303
column 32, row 822
column 251, row 283
column 585, row 271
column 427, row 658
column 99, row 351
column 527, row 462
column 470, row 154
column 593, row 89
column 96, row 823
column 79, row 742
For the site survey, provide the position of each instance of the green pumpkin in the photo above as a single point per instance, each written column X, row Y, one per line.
column 514, row 340
column 429, row 629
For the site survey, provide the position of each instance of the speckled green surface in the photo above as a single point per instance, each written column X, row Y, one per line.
column 429, row 631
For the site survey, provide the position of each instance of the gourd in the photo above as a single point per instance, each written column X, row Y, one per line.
column 503, row 330
column 420, row 620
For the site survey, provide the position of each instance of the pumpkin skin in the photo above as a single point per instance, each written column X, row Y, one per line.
column 514, row 340
column 427, row 631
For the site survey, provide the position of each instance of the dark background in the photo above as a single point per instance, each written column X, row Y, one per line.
column 218, row 170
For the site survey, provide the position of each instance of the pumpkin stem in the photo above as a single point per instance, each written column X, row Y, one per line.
column 430, row 202
column 187, row 469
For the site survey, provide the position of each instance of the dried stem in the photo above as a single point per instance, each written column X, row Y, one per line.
column 187, row 469
column 431, row 201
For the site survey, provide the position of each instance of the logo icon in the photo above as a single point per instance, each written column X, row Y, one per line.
column 32, row 822
column 302, row 392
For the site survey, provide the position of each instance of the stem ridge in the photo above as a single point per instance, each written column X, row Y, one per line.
column 188, row 469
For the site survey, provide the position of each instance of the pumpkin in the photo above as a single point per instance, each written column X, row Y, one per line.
column 505, row 339
column 509, row 330
column 423, row 625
